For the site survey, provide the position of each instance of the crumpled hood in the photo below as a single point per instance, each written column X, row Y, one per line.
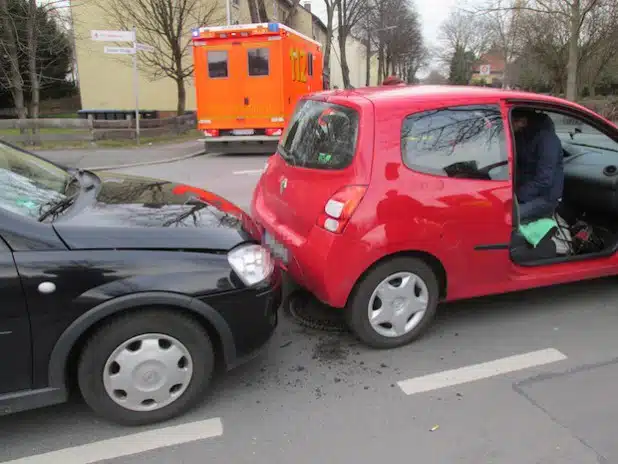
column 130, row 212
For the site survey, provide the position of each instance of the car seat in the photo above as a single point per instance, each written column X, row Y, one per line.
column 521, row 251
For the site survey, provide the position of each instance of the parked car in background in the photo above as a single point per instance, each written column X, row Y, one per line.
column 130, row 289
column 386, row 201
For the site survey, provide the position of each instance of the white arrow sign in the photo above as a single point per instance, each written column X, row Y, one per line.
column 120, row 50
column 113, row 36
column 145, row 48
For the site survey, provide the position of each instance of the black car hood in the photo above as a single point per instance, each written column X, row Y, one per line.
column 130, row 212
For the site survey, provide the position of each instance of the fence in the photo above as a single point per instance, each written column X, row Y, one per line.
column 38, row 131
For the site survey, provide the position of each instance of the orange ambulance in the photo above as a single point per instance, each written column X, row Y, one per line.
column 248, row 78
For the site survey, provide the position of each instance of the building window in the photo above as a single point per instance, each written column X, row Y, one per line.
column 236, row 3
column 258, row 61
column 456, row 142
column 217, row 64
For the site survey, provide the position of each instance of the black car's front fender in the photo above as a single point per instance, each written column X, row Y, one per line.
column 61, row 353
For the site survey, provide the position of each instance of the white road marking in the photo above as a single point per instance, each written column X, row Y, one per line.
column 480, row 371
column 248, row 171
column 128, row 444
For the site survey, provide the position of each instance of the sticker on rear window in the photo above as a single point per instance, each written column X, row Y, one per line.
column 324, row 158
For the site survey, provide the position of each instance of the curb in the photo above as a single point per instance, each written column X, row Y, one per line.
column 150, row 163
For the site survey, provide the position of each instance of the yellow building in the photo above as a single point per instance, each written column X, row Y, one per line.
column 106, row 81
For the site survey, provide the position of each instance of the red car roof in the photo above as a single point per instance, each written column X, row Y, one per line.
column 426, row 94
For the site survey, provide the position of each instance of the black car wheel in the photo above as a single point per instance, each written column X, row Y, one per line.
column 146, row 367
column 394, row 303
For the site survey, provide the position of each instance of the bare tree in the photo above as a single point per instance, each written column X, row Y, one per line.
column 33, row 37
column 406, row 52
column 464, row 38
column 598, row 46
column 393, row 28
column 504, row 25
column 546, row 50
column 466, row 31
column 349, row 15
column 331, row 6
column 254, row 13
column 164, row 25
column 10, row 51
column 572, row 14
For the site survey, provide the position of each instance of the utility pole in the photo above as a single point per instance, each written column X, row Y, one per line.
column 136, row 84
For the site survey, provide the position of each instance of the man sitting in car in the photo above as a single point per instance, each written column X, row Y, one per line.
column 539, row 178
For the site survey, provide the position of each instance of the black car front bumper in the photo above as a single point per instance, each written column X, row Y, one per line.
column 252, row 315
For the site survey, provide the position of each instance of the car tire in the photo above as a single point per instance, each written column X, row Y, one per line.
column 146, row 345
column 421, row 290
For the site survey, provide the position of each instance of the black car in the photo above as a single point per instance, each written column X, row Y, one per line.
column 134, row 290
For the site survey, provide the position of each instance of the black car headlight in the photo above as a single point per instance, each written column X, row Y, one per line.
column 252, row 263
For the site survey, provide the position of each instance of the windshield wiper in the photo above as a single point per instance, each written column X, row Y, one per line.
column 55, row 208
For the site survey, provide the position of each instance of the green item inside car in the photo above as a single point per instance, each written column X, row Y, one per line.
column 324, row 157
column 534, row 231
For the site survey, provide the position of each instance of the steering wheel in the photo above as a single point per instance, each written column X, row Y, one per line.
column 489, row 167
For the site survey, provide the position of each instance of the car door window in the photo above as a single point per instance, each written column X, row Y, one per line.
column 459, row 141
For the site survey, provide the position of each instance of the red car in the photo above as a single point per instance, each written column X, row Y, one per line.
column 386, row 201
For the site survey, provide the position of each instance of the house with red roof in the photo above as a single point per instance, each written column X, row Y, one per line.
column 489, row 70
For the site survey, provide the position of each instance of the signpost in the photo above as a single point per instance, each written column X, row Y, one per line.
column 119, row 50
column 485, row 70
column 145, row 48
column 125, row 36
column 112, row 36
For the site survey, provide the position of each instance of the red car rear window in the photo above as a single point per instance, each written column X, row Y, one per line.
column 320, row 135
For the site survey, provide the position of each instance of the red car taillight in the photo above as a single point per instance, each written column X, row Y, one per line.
column 340, row 207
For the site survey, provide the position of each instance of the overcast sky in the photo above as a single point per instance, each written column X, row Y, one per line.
column 431, row 12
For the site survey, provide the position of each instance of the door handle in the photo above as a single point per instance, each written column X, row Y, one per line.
column 246, row 101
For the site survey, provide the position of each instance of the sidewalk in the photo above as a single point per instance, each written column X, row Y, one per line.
column 108, row 157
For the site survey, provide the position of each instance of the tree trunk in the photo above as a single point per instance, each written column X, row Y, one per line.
column 16, row 84
column 345, row 69
column 35, row 86
column 368, row 59
column 380, row 63
column 181, row 92
column 571, row 87
column 253, row 11
column 330, row 13
column 262, row 11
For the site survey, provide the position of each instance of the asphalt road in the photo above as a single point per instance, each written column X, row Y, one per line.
column 545, row 394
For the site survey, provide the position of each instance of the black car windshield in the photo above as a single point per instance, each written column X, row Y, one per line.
column 28, row 182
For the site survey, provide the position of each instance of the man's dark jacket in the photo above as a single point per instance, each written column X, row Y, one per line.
column 540, row 170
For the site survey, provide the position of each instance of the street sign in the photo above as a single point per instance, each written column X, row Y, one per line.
column 144, row 47
column 113, row 36
column 125, row 36
column 485, row 70
column 119, row 50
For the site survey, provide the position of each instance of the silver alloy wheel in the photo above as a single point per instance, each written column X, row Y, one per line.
column 148, row 372
column 398, row 304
